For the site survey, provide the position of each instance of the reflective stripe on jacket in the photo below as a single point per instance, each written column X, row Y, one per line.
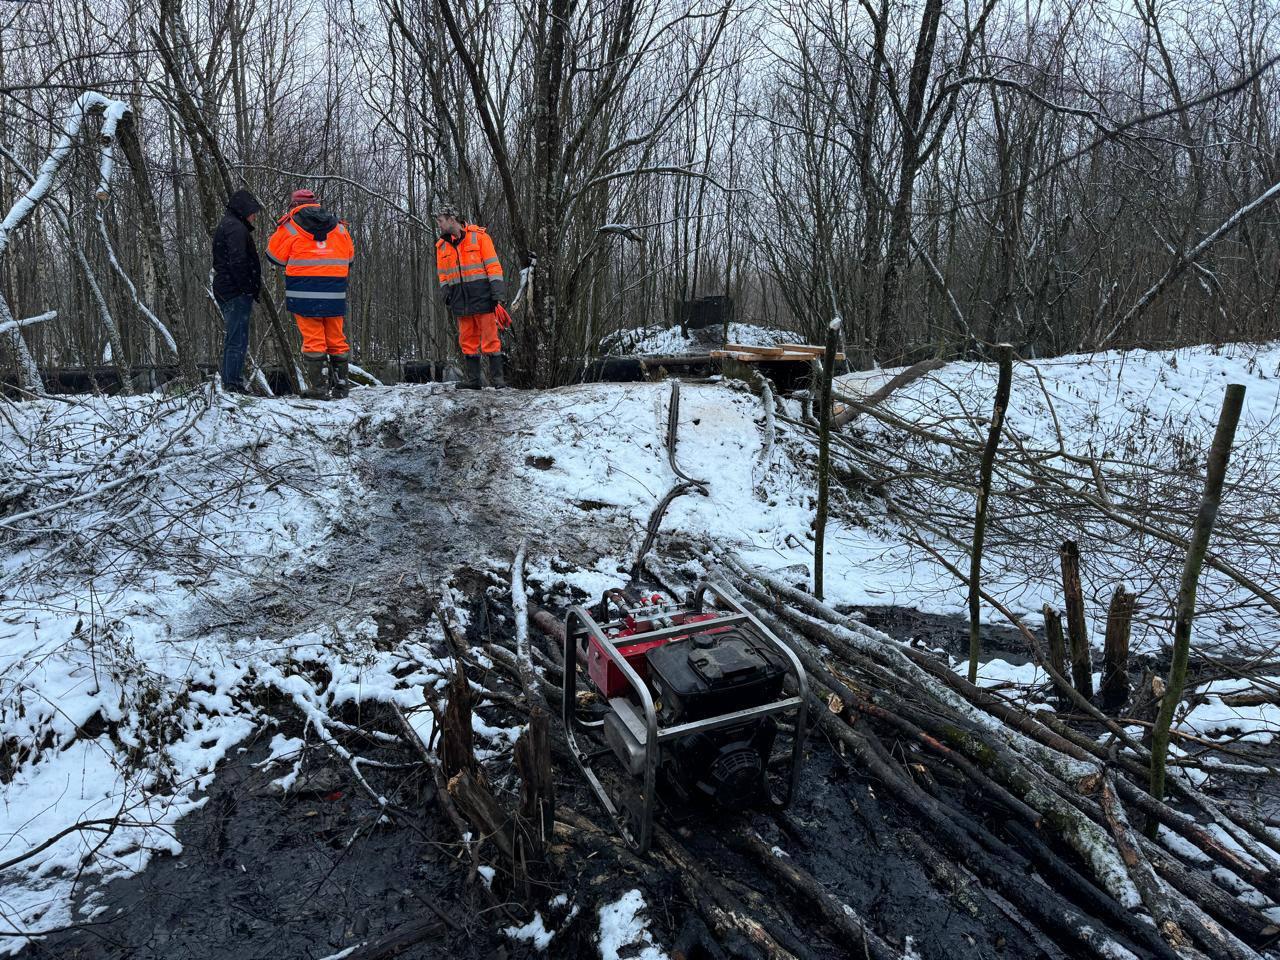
column 469, row 273
column 316, row 251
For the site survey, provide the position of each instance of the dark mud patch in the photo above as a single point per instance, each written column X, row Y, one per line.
column 265, row 875
column 948, row 632
column 856, row 843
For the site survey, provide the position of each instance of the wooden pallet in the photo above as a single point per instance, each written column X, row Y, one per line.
column 746, row 353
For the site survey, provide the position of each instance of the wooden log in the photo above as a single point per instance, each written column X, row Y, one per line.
column 1115, row 662
column 1219, row 455
column 1154, row 895
column 457, row 739
column 734, row 926
column 1057, row 642
column 994, row 862
column 903, row 379
column 535, row 817
column 1077, row 629
column 985, row 469
column 839, row 916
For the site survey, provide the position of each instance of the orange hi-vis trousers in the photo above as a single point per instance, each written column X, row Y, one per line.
column 478, row 333
column 322, row 335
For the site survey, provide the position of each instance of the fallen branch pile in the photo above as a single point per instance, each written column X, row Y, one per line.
column 1009, row 795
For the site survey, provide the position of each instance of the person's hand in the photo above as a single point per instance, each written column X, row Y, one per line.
column 504, row 318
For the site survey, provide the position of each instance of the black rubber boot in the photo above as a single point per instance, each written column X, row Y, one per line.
column 470, row 367
column 339, row 385
column 496, row 378
column 314, row 367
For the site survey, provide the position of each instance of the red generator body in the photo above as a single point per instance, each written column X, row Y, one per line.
column 608, row 679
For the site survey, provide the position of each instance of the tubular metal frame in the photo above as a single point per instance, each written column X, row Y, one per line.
column 581, row 625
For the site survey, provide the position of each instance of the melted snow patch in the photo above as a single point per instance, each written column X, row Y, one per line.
column 622, row 927
column 534, row 931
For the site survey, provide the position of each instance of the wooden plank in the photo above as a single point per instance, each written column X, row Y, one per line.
column 751, row 348
column 817, row 351
column 744, row 356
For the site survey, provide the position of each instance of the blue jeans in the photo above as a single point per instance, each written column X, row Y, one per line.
column 235, row 338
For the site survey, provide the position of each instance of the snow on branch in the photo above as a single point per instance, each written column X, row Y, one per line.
column 625, row 230
column 1184, row 260
column 16, row 324
column 87, row 103
column 113, row 113
column 673, row 171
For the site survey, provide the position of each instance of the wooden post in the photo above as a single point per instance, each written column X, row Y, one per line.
column 824, row 454
column 1057, row 643
column 1077, row 631
column 535, row 818
column 1004, row 356
column 1185, row 610
column 457, row 739
column 1115, row 661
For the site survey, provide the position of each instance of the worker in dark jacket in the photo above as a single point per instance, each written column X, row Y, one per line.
column 474, row 290
column 237, row 282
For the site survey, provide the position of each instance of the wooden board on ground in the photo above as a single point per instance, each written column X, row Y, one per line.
column 815, row 349
column 752, row 348
column 765, row 355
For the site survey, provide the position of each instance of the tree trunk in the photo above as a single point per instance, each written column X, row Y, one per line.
column 1115, row 669
column 166, row 301
column 824, row 456
column 1219, row 454
column 1077, row 629
column 985, row 469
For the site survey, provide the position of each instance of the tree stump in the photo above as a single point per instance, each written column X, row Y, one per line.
column 1057, row 644
column 457, row 739
column 535, row 818
column 1115, row 669
column 1077, row 631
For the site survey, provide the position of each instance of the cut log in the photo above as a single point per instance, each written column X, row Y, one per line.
column 1115, row 663
column 1057, row 643
column 1077, row 628
column 457, row 738
column 842, row 918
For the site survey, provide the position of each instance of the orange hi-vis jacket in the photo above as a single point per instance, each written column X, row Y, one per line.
column 470, row 273
column 316, row 250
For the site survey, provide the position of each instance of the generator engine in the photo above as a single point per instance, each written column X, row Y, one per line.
column 691, row 695
column 717, row 675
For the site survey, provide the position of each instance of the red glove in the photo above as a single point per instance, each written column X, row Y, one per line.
column 504, row 318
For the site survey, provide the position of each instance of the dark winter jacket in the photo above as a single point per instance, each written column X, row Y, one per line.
column 470, row 275
column 236, row 269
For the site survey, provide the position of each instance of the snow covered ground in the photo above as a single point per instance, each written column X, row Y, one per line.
column 662, row 341
column 139, row 531
column 1147, row 418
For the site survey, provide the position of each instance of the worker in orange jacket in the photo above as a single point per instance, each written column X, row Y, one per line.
column 474, row 291
column 316, row 251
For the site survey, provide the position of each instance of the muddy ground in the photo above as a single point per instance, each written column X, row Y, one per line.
column 305, row 875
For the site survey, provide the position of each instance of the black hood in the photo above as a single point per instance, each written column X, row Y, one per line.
column 317, row 221
column 243, row 204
